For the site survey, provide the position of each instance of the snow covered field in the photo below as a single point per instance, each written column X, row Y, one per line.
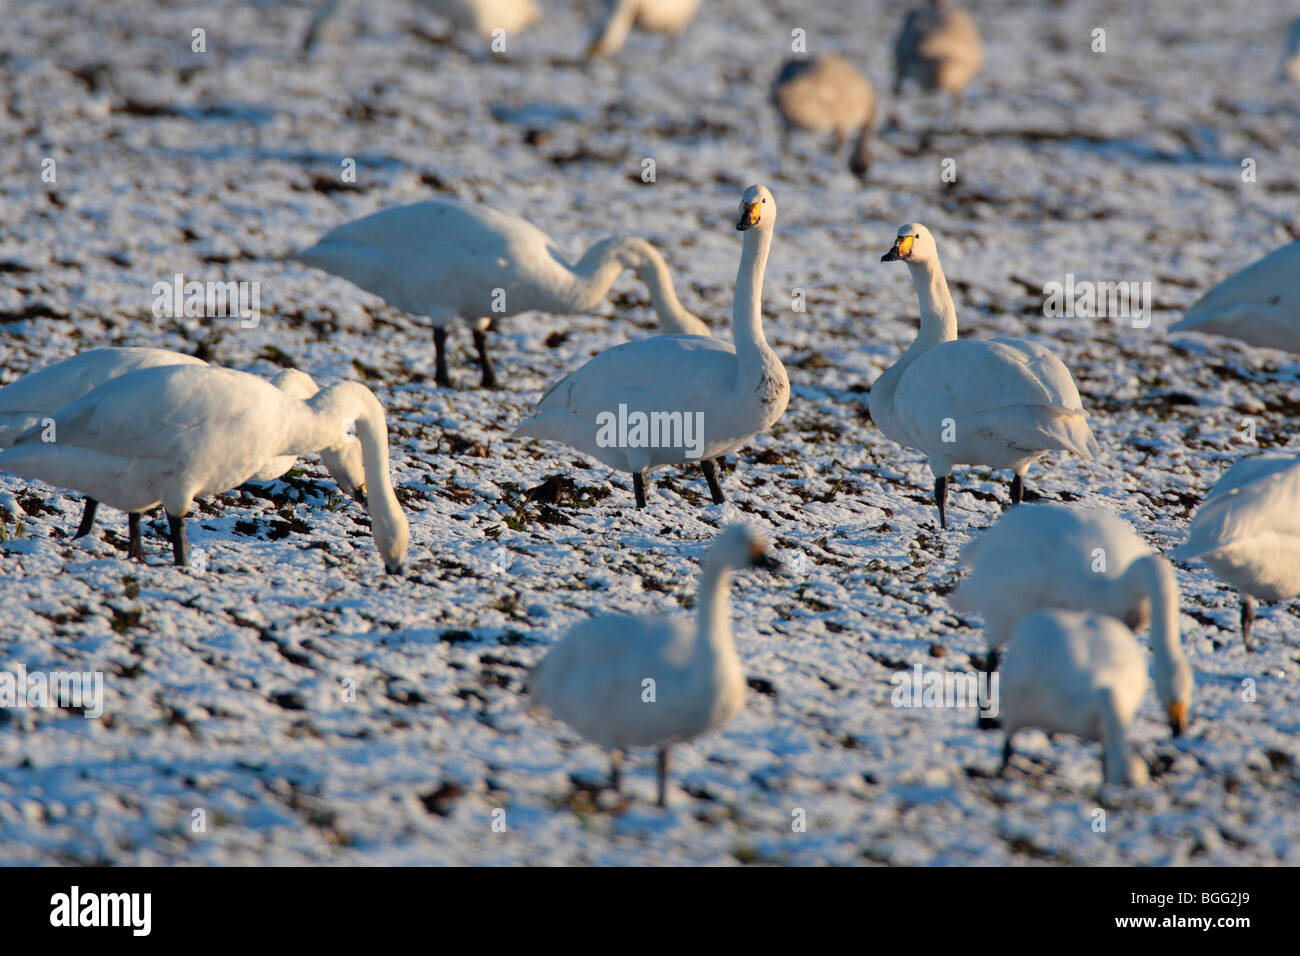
column 225, row 687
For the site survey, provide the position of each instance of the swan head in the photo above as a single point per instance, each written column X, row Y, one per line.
column 344, row 459
column 757, row 210
column 392, row 534
column 914, row 244
column 740, row 546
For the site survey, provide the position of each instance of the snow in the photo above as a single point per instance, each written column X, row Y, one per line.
column 226, row 687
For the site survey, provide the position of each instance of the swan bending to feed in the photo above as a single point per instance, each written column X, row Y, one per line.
column 37, row 396
column 669, row 17
column 170, row 434
column 1247, row 530
column 594, row 679
column 448, row 259
column 826, row 94
column 708, row 396
column 939, row 49
column 1003, row 403
column 1075, row 673
column 1260, row 305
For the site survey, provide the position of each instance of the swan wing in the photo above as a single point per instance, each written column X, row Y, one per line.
column 1257, row 497
column 1260, row 305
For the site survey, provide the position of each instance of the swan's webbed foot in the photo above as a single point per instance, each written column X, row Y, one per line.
column 87, row 518
column 941, row 499
column 1247, row 618
column 135, row 547
column 441, row 377
column 638, row 487
column 710, row 468
column 484, row 360
column 180, row 546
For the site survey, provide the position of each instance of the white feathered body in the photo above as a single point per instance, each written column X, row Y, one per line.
column 484, row 16
column 824, row 95
column 446, row 259
column 36, row 396
column 1260, row 305
column 1062, row 668
column 1002, row 402
column 1247, row 530
column 939, row 48
column 161, row 436
column 689, row 374
column 1050, row 556
column 593, row 680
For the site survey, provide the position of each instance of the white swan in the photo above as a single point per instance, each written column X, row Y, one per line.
column 939, row 49
column 1247, row 530
column 447, row 259
column 1260, row 305
column 669, row 17
column 171, row 434
column 1076, row 559
column 827, row 94
column 1000, row 402
column 1074, row 673
column 594, row 679
column 725, row 394
column 37, row 396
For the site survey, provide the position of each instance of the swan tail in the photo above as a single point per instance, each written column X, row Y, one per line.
column 545, row 425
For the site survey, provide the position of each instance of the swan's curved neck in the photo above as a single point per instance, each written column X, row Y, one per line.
column 331, row 409
column 713, row 634
column 1152, row 577
column 747, row 310
column 618, row 24
column 653, row 271
column 591, row 277
column 938, row 314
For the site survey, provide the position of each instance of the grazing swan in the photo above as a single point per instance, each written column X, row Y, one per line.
column 653, row 16
column 26, row 402
column 712, row 397
column 826, row 94
column 1260, row 305
column 1002, row 402
column 447, row 259
column 594, row 679
column 939, row 49
column 171, row 434
column 1074, row 673
column 1247, row 530
column 1076, row 559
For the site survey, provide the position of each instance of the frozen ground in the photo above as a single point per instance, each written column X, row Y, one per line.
column 224, row 687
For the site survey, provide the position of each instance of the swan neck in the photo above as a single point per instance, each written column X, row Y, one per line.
column 714, row 634
column 747, row 311
column 1151, row 576
column 653, row 271
column 938, row 314
column 592, row 276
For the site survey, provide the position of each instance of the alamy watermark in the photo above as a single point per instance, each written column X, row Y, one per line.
column 934, row 689
column 51, row 689
column 175, row 298
column 1126, row 299
column 626, row 429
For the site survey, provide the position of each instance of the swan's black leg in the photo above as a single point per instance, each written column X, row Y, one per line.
column 1247, row 618
column 615, row 770
column 941, row 499
column 710, row 468
column 1017, row 490
column 440, row 375
column 136, row 548
column 180, row 546
column 990, row 666
column 87, row 518
column 485, row 360
column 1006, row 756
column 638, row 487
column 663, row 776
